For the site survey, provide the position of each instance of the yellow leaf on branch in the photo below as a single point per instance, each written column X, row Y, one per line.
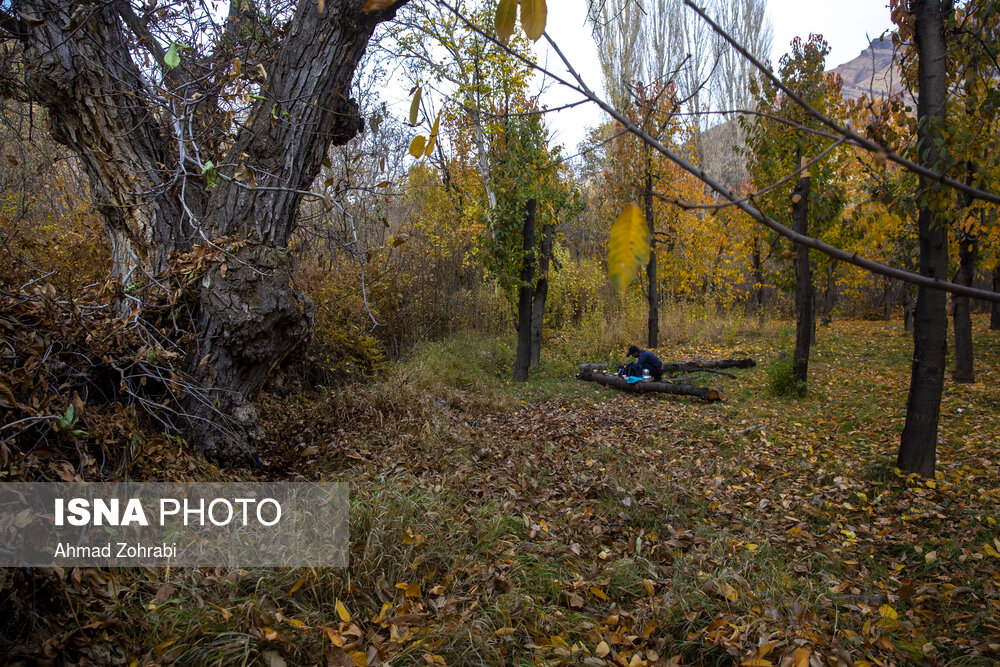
column 506, row 17
column 533, row 15
column 628, row 247
column 433, row 137
column 417, row 146
column 415, row 105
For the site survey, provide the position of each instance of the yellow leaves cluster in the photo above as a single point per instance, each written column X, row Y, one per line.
column 422, row 146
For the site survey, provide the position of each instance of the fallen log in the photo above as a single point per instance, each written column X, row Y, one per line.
column 648, row 387
column 703, row 365
column 593, row 367
column 687, row 366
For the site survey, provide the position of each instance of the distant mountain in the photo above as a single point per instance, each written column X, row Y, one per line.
column 872, row 72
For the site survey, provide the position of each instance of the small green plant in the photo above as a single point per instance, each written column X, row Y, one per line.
column 781, row 380
column 67, row 422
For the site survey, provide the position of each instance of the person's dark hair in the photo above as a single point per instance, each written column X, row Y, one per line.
column 633, row 351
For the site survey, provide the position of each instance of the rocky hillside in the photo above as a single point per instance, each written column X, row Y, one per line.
column 871, row 72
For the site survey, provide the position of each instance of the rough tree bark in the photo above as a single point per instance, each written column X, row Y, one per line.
column 541, row 294
column 522, row 361
column 918, row 444
column 134, row 137
column 803, row 281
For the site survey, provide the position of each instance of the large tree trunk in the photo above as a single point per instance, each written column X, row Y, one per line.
column 918, row 445
column 86, row 94
column 522, row 362
column 653, row 339
column 541, row 294
column 143, row 150
column 803, row 282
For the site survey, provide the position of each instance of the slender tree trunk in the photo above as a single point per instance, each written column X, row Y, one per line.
column 830, row 295
column 812, row 311
column 995, row 306
column 540, row 295
column 654, row 297
column 758, row 277
column 522, row 361
column 803, row 281
column 968, row 248
column 961, row 306
column 482, row 152
column 918, row 445
column 909, row 309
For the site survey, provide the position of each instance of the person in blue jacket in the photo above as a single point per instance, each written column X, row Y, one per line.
column 647, row 361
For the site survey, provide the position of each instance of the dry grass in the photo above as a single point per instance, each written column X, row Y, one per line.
column 541, row 520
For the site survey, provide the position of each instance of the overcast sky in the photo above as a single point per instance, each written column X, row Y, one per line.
column 846, row 24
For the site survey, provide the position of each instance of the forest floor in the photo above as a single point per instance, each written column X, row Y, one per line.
column 558, row 522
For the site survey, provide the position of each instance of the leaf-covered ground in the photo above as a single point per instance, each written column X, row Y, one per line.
column 564, row 523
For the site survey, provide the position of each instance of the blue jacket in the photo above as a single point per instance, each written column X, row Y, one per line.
column 649, row 360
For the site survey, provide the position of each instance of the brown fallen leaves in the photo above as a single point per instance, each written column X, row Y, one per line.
column 615, row 530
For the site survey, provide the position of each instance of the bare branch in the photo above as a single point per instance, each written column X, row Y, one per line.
column 750, row 197
column 141, row 30
column 11, row 26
